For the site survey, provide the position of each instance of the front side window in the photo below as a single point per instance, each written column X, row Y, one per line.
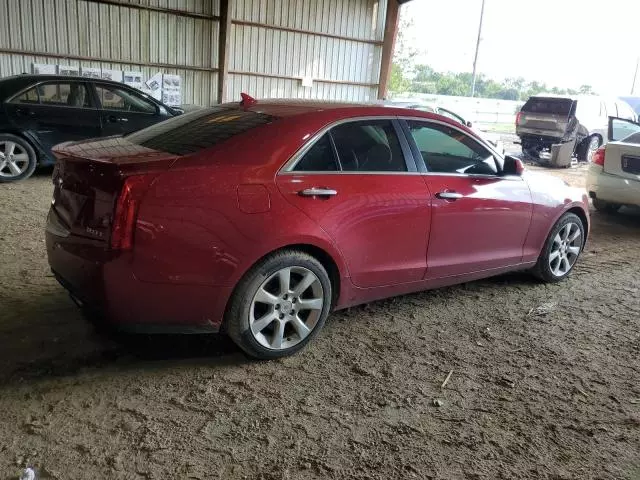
column 319, row 158
column 368, row 146
column 448, row 150
column 114, row 98
column 451, row 115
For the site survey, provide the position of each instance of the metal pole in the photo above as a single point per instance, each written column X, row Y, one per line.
column 475, row 59
column 635, row 76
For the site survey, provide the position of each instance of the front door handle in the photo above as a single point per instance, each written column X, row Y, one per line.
column 114, row 119
column 449, row 195
column 317, row 192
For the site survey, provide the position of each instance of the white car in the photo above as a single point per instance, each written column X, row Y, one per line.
column 613, row 179
column 492, row 138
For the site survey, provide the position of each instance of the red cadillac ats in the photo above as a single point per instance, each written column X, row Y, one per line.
column 259, row 218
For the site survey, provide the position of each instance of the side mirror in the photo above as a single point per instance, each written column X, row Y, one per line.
column 512, row 166
column 469, row 124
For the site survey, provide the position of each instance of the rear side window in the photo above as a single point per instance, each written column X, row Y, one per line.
column 319, row 158
column 369, row 146
column 549, row 106
column 30, row 96
column 65, row 94
column 195, row 131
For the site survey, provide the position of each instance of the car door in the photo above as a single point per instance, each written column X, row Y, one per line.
column 359, row 183
column 480, row 218
column 623, row 154
column 55, row 112
column 123, row 110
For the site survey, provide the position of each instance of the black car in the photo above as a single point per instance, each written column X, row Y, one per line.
column 40, row 111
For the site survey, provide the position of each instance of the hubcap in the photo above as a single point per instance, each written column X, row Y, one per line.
column 565, row 249
column 14, row 159
column 286, row 308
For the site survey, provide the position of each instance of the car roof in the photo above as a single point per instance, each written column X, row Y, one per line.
column 26, row 78
column 294, row 107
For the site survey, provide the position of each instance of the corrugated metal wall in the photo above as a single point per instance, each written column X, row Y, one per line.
column 116, row 37
column 268, row 56
column 341, row 66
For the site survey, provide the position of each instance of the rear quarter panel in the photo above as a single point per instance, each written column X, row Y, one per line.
column 551, row 199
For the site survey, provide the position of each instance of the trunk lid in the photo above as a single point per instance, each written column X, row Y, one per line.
column 547, row 117
column 87, row 179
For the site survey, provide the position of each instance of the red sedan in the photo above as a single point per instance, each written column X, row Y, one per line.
column 259, row 218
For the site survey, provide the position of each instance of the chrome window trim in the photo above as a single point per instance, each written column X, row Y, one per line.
column 290, row 164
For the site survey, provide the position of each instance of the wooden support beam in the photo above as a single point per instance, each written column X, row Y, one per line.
column 223, row 49
column 390, row 33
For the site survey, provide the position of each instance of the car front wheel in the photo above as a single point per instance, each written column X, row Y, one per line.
column 561, row 250
column 280, row 305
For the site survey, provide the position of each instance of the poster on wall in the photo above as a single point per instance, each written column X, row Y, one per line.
column 68, row 70
column 44, row 69
column 153, row 86
column 171, row 89
column 133, row 79
column 114, row 75
column 90, row 72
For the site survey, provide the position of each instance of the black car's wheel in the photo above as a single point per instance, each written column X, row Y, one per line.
column 280, row 305
column 588, row 148
column 561, row 250
column 605, row 207
column 17, row 158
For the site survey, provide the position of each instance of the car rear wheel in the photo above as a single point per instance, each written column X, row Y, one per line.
column 17, row 158
column 280, row 305
column 605, row 207
column 561, row 250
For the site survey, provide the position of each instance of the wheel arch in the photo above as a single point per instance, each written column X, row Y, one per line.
column 582, row 215
column 320, row 254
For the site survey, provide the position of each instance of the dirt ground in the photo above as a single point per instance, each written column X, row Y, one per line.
column 545, row 382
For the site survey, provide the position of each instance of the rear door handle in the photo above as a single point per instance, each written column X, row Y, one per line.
column 449, row 195
column 317, row 192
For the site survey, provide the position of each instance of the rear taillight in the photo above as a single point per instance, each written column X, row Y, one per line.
column 598, row 156
column 518, row 117
column 126, row 213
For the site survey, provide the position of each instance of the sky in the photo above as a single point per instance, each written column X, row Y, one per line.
column 565, row 43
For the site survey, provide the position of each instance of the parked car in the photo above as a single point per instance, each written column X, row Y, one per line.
column 547, row 120
column 613, row 178
column 39, row 111
column 492, row 138
column 259, row 218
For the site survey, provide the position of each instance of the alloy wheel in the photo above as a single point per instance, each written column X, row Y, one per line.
column 14, row 159
column 286, row 308
column 565, row 249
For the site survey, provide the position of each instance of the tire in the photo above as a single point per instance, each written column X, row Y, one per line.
column 551, row 267
column 24, row 158
column 605, row 207
column 266, row 317
column 588, row 147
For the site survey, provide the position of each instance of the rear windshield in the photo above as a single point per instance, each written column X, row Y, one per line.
column 195, row 131
column 550, row 106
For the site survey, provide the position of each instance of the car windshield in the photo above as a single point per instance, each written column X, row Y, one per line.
column 192, row 132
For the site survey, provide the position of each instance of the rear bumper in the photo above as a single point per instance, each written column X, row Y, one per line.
column 612, row 188
column 105, row 284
